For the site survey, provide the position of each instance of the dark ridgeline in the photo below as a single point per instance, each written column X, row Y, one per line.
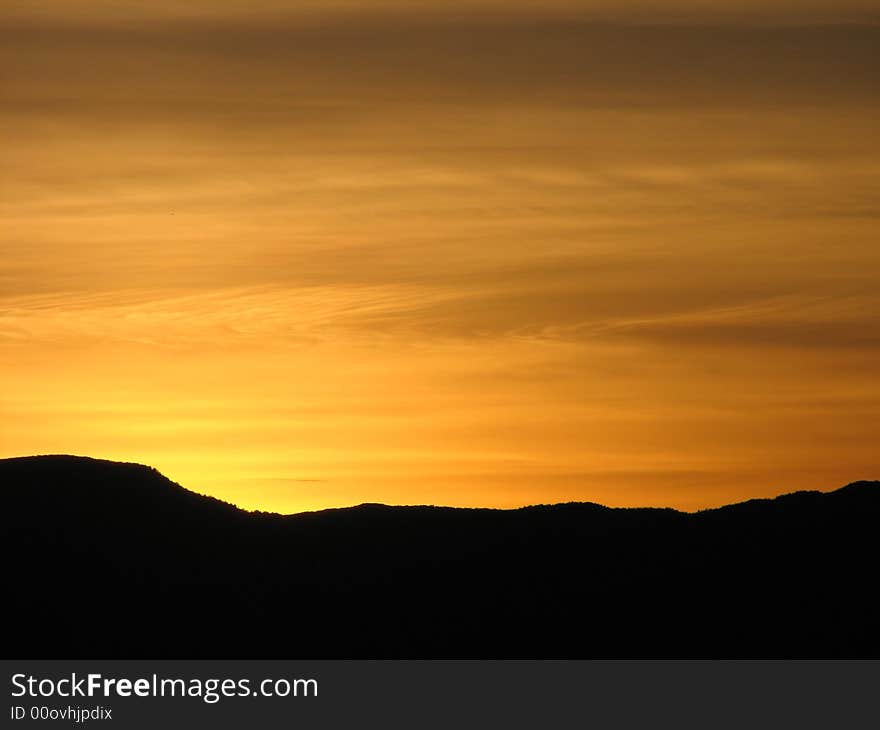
column 113, row 560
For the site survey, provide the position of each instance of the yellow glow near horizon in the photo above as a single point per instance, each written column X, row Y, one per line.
column 489, row 259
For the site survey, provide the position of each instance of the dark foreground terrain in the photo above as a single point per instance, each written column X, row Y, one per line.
column 107, row 560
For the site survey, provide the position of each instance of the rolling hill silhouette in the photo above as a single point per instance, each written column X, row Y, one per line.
column 106, row 560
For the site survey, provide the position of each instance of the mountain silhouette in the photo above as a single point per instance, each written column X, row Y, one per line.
column 104, row 560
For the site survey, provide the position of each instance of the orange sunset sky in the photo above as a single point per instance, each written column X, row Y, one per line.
column 303, row 255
